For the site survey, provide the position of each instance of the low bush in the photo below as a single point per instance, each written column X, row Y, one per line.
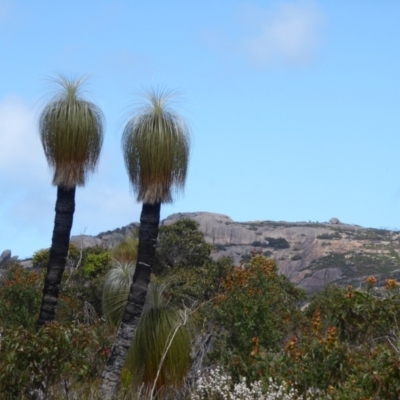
column 20, row 297
column 277, row 243
column 32, row 362
column 256, row 310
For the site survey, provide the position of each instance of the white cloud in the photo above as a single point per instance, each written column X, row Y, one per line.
column 290, row 32
column 22, row 161
column 287, row 32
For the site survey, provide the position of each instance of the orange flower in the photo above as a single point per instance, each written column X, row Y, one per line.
column 391, row 284
column 371, row 280
column 316, row 322
column 256, row 349
column 349, row 294
column 291, row 344
column 332, row 335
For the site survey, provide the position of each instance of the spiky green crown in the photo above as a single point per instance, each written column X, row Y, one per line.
column 156, row 149
column 71, row 131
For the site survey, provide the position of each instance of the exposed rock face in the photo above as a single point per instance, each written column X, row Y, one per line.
column 309, row 254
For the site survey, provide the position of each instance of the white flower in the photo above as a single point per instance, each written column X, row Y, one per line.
column 215, row 385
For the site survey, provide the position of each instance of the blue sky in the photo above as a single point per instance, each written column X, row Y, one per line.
column 294, row 107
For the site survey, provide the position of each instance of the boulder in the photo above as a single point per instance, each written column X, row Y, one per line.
column 5, row 256
column 28, row 264
column 84, row 241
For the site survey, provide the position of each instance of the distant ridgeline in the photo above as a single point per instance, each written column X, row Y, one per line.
column 309, row 254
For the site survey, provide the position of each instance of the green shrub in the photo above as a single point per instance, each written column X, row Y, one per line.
column 181, row 244
column 20, row 297
column 257, row 243
column 200, row 283
column 329, row 236
column 31, row 361
column 277, row 243
column 96, row 264
column 40, row 258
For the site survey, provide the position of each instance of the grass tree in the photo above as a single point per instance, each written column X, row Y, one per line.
column 71, row 131
column 159, row 356
column 155, row 144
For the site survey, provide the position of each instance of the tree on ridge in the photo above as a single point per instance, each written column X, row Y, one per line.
column 155, row 144
column 71, row 131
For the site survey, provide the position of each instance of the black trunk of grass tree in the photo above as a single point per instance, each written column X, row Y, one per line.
column 156, row 150
column 65, row 207
column 71, row 131
column 148, row 232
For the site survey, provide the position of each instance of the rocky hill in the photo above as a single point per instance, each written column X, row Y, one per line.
column 310, row 254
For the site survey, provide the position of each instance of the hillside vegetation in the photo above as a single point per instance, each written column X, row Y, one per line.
column 252, row 333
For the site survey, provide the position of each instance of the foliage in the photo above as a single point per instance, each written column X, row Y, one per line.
column 83, row 284
column 354, row 265
column 156, row 149
column 329, row 236
column 181, row 244
column 40, row 258
column 349, row 347
column 344, row 345
column 96, row 264
column 257, row 310
column 277, row 243
column 21, row 290
column 159, row 331
column 157, row 324
column 118, row 281
column 115, row 292
column 20, row 297
column 71, row 130
column 126, row 251
column 197, row 284
column 34, row 361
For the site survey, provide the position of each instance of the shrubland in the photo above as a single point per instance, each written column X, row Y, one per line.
column 250, row 333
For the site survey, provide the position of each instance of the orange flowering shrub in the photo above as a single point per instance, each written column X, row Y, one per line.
column 349, row 348
column 256, row 311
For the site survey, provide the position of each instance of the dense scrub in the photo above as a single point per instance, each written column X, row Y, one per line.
column 249, row 321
